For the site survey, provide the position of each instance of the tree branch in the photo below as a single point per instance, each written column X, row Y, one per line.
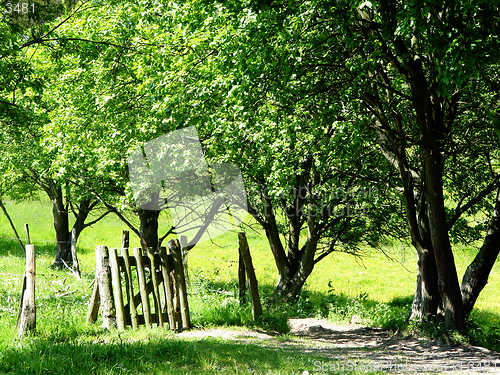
column 459, row 210
column 96, row 220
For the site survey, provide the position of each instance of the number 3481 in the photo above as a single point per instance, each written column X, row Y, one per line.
column 20, row 8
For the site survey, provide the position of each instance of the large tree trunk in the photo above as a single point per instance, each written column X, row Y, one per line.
column 427, row 298
column 290, row 285
column 148, row 228
column 476, row 275
column 447, row 274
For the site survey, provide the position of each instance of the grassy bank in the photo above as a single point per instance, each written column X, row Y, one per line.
column 376, row 289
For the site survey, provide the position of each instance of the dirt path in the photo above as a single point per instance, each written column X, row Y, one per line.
column 346, row 347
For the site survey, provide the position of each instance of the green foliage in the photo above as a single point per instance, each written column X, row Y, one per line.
column 284, row 91
column 483, row 330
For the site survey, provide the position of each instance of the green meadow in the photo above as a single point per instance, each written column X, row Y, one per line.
column 376, row 286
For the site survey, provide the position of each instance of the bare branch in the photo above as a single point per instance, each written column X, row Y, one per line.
column 96, row 220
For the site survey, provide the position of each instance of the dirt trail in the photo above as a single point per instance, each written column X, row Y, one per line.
column 346, row 347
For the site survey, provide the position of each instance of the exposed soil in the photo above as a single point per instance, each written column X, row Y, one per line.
column 346, row 346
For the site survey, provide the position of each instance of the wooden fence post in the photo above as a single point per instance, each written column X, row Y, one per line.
column 242, row 279
column 105, row 292
column 117, row 289
column 181, row 284
column 95, row 299
column 27, row 321
column 125, row 239
column 76, row 266
column 27, row 231
column 167, row 286
column 129, row 286
column 156, row 289
column 184, row 252
column 146, row 310
column 252, row 280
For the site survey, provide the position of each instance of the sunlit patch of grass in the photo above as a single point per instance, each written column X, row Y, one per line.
column 374, row 288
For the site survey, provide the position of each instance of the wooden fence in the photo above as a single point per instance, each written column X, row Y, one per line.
column 159, row 279
column 26, row 318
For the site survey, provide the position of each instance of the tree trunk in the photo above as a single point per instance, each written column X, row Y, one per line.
column 148, row 228
column 61, row 226
column 426, row 299
column 296, row 269
column 447, row 274
column 83, row 213
column 476, row 275
column 304, row 266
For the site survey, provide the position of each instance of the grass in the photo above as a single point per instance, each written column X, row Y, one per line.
column 374, row 288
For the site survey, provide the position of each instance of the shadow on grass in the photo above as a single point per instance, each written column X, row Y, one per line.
column 219, row 304
column 169, row 355
column 11, row 247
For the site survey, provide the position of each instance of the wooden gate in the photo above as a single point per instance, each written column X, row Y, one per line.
column 159, row 278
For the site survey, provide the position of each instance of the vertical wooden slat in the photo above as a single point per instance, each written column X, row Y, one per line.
column 95, row 302
column 129, row 286
column 28, row 314
column 76, row 266
column 146, row 310
column 242, row 279
column 27, row 231
column 184, row 252
column 156, row 290
column 252, row 280
column 167, row 286
column 105, row 292
column 117, row 289
column 23, row 290
column 125, row 239
column 181, row 285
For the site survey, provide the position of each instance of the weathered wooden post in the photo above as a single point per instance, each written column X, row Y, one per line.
column 129, row 285
column 125, row 239
column 27, row 318
column 184, row 252
column 242, row 279
column 117, row 289
column 76, row 266
column 105, row 292
column 95, row 300
column 156, row 288
column 181, row 283
column 252, row 280
column 27, row 231
column 143, row 290
column 166, row 269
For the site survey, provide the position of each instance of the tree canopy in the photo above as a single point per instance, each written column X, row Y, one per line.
column 345, row 118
